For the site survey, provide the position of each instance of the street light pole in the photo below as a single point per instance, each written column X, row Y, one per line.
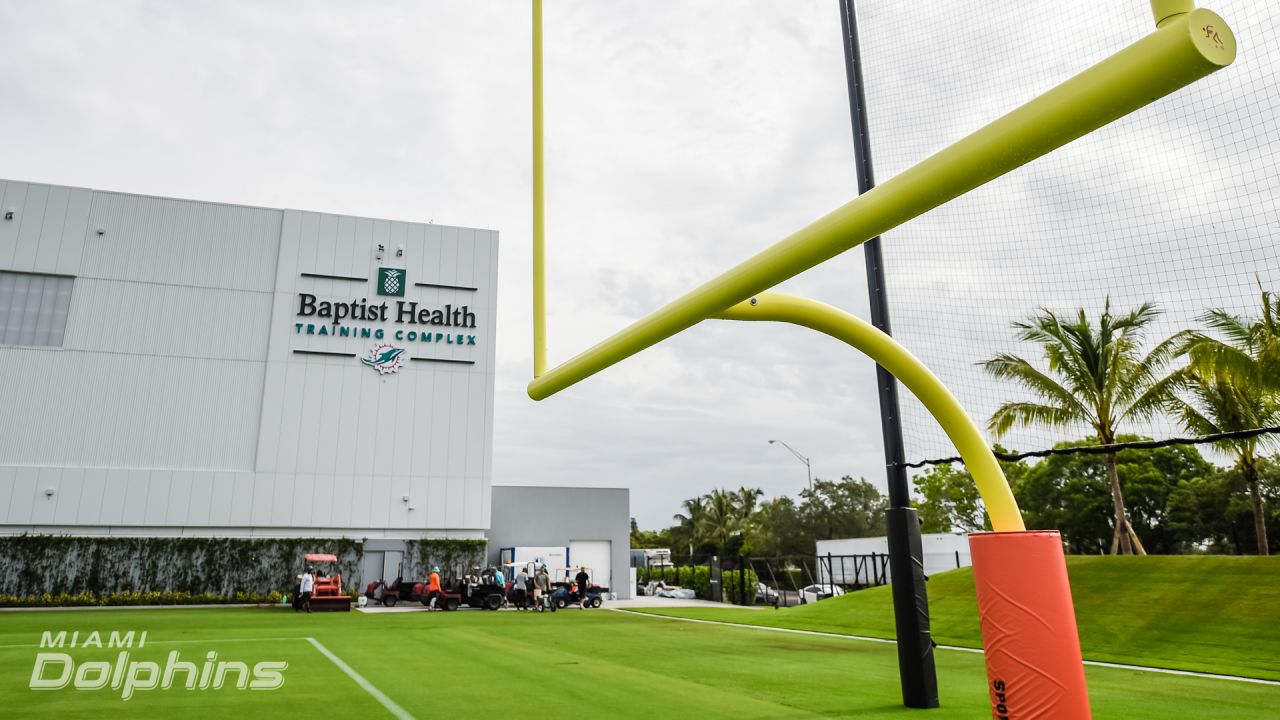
column 801, row 458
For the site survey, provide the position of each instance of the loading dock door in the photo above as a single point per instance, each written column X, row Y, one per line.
column 370, row 568
column 391, row 566
column 594, row 554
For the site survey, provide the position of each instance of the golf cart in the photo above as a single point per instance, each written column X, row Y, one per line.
column 568, row 593
column 327, row 592
column 389, row 595
column 472, row 590
column 397, row 591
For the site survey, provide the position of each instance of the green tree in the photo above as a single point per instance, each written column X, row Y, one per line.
column 947, row 498
column 948, row 501
column 846, row 508
column 1073, row 493
column 649, row 538
column 777, row 528
column 1096, row 376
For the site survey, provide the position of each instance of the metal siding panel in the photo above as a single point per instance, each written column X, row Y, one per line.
column 49, row 243
column 438, row 464
column 93, row 496
column 222, row 486
column 127, row 411
column 310, row 408
column 384, row 440
column 242, row 497
column 178, row 509
column 182, row 242
column 137, row 493
column 115, row 496
column 74, row 228
column 320, row 511
column 22, row 496
column 326, row 241
column 286, row 435
column 448, row 263
column 70, row 494
column 199, row 502
column 123, row 317
column 287, row 265
column 326, row 423
column 43, row 507
column 458, row 408
column 15, row 196
column 159, row 488
column 262, row 490
column 361, row 501
column 292, row 500
column 31, row 227
column 354, row 234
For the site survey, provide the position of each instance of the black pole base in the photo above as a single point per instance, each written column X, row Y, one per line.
column 911, row 610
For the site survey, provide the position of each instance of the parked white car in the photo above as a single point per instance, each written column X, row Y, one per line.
column 814, row 593
column 766, row 595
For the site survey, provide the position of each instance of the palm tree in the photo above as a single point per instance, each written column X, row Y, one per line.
column 692, row 522
column 1096, row 376
column 746, row 499
column 723, row 518
column 1222, row 402
column 1251, row 350
column 1235, row 385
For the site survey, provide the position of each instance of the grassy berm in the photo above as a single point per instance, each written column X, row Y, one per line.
column 1204, row 613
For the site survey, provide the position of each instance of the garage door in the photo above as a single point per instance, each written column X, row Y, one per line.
column 593, row 554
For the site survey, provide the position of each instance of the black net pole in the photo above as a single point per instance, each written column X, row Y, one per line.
column 910, row 600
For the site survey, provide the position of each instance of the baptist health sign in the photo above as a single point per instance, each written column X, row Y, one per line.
column 395, row 324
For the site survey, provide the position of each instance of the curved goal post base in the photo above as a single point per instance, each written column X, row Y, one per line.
column 960, row 428
column 1034, row 666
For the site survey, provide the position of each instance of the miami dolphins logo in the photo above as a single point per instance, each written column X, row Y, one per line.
column 384, row 358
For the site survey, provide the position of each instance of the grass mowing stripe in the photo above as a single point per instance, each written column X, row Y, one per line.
column 368, row 687
column 957, row 648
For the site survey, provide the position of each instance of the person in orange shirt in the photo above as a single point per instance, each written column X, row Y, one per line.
column 433, row 587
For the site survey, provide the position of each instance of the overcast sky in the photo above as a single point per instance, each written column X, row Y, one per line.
column 682, row 137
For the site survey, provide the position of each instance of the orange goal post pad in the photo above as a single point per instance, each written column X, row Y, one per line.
column 1034, row 667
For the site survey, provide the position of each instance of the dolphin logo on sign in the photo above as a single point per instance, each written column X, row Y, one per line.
column 384, row 358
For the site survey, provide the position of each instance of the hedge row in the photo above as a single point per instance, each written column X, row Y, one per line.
column 97, row 569
column 698, row 579
column 129, row 597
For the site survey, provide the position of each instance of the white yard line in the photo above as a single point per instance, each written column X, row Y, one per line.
column 863, row 638
column 377, row 694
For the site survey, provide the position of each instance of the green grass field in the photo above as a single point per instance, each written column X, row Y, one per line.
column 568, row 664
column 1207, row 614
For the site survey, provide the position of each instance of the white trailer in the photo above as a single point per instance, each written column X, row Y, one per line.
column 942, row 552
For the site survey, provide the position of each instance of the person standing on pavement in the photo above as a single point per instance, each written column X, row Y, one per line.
column 433, row 588
column 519, row 590
column 583, row 581
column 306, row 587
column 541, row 584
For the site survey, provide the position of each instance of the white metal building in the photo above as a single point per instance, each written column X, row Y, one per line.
column 177, row 367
